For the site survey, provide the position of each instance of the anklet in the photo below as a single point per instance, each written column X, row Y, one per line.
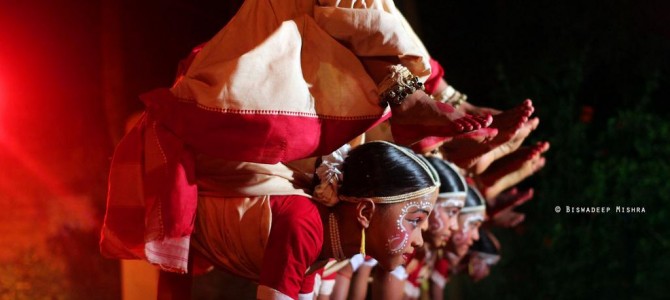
column 397, row 85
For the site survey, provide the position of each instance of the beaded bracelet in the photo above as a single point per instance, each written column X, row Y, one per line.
column 397, row 85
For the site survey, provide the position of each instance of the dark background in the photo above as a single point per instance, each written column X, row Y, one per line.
column 597, row 71
column 599, row 75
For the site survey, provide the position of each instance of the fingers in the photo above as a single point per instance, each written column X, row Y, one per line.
column 539, row 164
column 543, row 146
column 510, row 199
column 524, row 197
column 528, row 107
column 518, row 218
column 532, row 123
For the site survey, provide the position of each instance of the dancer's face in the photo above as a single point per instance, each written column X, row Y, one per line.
column 444, row 220
column 395, row 230
column 467, row 233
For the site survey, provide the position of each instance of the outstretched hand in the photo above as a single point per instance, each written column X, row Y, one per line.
column 508, row 218
column 506, row 148
column 512, row 169
column 508, row 200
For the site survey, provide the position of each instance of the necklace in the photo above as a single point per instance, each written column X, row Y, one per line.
column 335, row 242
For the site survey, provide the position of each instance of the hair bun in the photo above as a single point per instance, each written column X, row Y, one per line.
column 330, row 175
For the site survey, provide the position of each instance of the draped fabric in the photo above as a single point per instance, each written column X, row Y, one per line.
column 281, row 81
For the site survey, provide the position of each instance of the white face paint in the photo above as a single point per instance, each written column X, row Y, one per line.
column 450, row 202
column 463, row 238
column 470, row 223
column 436, row 224
column 442, row 207
column 398, row 241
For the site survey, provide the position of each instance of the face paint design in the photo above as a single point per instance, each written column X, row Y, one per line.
column 462, row 239
column 398, row 241
column 470, row 223
column 437, row 225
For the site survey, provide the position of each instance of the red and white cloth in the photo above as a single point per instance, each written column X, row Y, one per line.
column 283, row 89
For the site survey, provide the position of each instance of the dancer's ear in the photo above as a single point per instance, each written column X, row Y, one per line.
column 364, row 211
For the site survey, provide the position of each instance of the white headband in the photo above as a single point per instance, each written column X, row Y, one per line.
column 407, row 196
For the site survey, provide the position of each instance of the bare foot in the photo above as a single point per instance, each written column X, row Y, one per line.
column 510, row 117
column 509, row 124
column 512, row 169
column 468, row 108
column 419, row 116
column 464, row 150
column 506, row 148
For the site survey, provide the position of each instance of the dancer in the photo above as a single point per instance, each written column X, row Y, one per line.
column 378, row 207
column 471, row 217
column 445, row 259
column 442, row 222
column 453, row 190
column 306, row 80
column 405, row 281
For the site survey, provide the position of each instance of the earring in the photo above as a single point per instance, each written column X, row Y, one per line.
column 363, row 241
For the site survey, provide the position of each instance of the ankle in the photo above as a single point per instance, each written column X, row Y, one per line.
column 412, row 101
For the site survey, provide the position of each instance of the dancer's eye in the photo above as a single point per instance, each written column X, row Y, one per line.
column 414, row 222
column 452, row 212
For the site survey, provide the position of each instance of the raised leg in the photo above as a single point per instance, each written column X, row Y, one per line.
column 512, row 126
column 419, row 116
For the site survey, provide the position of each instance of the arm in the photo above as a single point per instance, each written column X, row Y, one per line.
column 358, row 289
column 342, row 282
column 389, row 285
